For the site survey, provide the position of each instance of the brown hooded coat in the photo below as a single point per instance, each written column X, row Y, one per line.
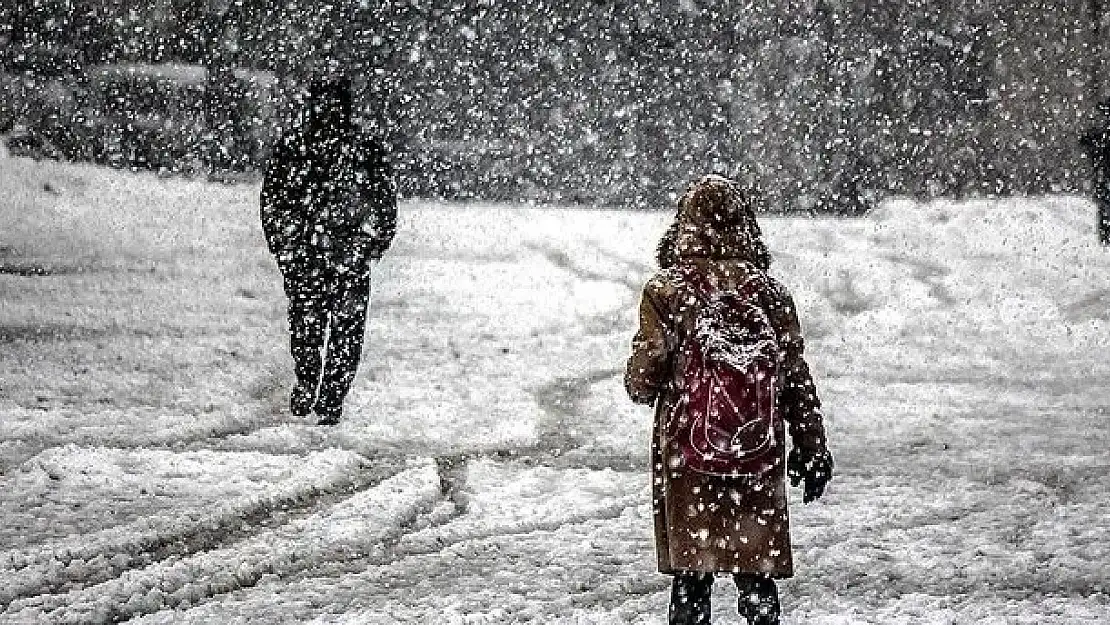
column 706, row 523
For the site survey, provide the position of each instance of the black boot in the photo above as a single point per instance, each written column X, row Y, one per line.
column 690, row 595
column 758, row 599
column 329, row 415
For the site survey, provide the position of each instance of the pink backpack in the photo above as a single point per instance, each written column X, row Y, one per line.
column 726, row 422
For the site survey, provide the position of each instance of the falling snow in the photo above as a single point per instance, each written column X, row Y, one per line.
column 490, row 467
column 921, row 168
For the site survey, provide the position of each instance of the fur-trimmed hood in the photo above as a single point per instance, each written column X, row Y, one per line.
column 716, row 220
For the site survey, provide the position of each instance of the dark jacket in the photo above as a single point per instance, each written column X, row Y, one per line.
column 1096, row 143
column 328, row 201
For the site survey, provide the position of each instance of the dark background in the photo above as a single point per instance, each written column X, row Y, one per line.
column 831, row 105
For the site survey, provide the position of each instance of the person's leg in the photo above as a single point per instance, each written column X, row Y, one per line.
column 306, row 336
column 346, row 328
column 1104, row 218
column 758, row 599
column 690, row 599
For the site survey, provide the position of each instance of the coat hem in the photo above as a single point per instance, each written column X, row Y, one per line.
column 719, row 572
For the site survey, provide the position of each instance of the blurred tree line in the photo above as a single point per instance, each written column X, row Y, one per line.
column 829, row 104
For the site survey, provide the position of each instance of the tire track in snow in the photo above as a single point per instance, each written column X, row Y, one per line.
column 431, row 531
column 159, row 547
column 928, row 273
column 557, row 440
column 40, row 434
column 94, row 559
column 611, row 321
column 350, row 529
column 563, row 260
column 351, row 584
column 561, row 399
column 70, row 568
column 1096, row 305
column 441, row 536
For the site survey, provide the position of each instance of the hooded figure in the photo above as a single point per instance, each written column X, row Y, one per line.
column 707, row 524
column 328, row 208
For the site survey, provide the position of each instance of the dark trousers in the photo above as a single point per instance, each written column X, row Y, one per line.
column 324, row 303
column 758, row 600
column 1102, row 219
column 1101, row 188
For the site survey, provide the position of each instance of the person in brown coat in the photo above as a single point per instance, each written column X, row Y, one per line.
column 708, row 524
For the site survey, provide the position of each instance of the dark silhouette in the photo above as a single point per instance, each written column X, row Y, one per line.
column 708, row 519
column 329, row 207
column 1096, row 143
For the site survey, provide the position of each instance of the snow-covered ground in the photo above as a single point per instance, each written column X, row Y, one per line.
column 489, row 469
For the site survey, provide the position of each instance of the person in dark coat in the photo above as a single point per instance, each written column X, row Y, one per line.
column 709, row 524
column 328, row 208
column 1096, row 143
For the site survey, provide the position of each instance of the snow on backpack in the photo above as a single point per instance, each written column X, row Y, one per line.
column 726, row 421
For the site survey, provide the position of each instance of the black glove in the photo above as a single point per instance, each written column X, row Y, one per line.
column 815, row 468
